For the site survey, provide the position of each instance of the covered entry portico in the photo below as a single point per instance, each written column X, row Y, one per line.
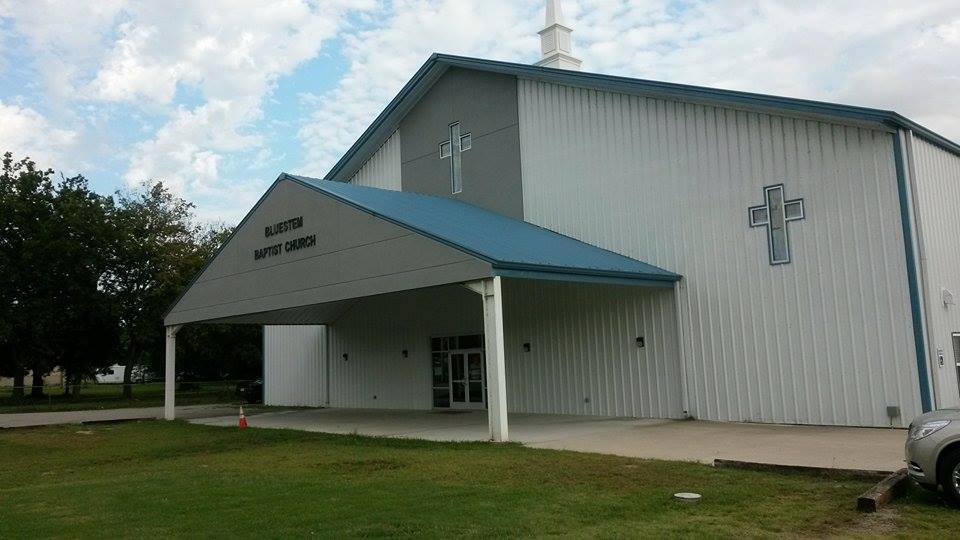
column 314, row 252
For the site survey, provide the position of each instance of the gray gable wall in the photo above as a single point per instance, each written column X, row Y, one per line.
column 485, row 104
column 355, row 255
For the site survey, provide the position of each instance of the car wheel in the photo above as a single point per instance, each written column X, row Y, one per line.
column 949, row 476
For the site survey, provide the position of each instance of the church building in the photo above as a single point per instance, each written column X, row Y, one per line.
column 539, row 239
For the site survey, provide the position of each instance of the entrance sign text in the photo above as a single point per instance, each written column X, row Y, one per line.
column 281, row 227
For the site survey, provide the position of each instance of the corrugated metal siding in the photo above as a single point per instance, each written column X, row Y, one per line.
column 382, row 170
column 294, row 372
column 374, row 333
column 826, row 339
column 938, row 204
column 576, row 353
column 583, row 356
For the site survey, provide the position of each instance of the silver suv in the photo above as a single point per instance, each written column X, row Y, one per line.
column 933, row 452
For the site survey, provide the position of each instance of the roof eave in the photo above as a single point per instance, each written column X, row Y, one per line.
column 899, row 121
column 384, row 125
column 641, row 280
column 659, row 275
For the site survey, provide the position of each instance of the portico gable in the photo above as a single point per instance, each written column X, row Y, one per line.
column 311, row 248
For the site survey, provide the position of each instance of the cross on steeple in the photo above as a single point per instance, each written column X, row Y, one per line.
column 452, row 148
column 774, row 215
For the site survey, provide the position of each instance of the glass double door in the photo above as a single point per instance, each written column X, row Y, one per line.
column 459, row 380
column 467, row 385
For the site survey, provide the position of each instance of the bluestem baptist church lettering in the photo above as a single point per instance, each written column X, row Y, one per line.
column 295, row 244
column 283, row 226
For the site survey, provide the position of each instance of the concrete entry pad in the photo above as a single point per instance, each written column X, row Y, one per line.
column 811, row 446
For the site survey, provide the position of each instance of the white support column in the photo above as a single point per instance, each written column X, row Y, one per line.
column 170, row 373
column 495, row 353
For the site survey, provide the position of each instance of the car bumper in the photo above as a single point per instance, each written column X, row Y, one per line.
column 922, row 461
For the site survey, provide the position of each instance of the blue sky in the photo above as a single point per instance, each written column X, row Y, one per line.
column 217, row 97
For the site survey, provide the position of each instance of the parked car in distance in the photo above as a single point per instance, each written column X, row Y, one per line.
column 933, row 452
column 250, row 391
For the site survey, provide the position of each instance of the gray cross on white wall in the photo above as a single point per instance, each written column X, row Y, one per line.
column 774, row 215
column 452, row 148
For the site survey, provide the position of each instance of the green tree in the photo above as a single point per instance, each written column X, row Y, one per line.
column 158, row 249
column 53, row 252
column 155, row 253
column 81, row 334
column 26, row 195
column 85, row 281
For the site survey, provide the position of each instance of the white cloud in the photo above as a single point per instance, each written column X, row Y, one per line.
column 27, row 133
column 794, row 48
column 881, row 53
column 877, row 53
column 229, row 206
column 197, row 73
column 225, row 48
column 384, row 57
column 233, row 53
column 186, row 152
column 226, row 54
column 67, row 38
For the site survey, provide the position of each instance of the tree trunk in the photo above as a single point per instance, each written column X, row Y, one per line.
column 18, row 378
column 36, row 390
column 128, row 377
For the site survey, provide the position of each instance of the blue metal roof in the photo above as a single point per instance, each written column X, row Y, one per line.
column 431, row 71
column 512, row 247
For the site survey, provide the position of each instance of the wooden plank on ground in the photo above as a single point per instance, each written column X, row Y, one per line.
column 885, row 491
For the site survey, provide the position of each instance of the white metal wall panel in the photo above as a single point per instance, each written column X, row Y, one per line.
column 584, row 357
column 826, row 339
column 375, row 332
column 937, row 184
column 294, row 371
column 382, row 170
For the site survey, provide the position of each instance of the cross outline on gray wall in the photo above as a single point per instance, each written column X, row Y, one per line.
column 774, row 214
column 453, row 148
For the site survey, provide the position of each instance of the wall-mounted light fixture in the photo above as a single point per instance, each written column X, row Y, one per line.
column 345, row 357
column 640, row 342
column 526, row 347
column 404, row 353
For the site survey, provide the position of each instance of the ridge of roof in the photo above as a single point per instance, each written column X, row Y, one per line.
column 387, row 121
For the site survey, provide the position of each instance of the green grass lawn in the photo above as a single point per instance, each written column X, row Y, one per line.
column 110, row 396
column 156, row 478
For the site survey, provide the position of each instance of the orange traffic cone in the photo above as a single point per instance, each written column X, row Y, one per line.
column 243, row 419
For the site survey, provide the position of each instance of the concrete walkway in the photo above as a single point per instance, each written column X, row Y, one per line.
column 812, row 446
column 14, row 420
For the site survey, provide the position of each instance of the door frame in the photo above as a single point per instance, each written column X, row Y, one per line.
column 468, row 405
column 449, row 386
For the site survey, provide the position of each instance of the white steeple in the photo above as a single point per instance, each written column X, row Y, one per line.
column 555, row 40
